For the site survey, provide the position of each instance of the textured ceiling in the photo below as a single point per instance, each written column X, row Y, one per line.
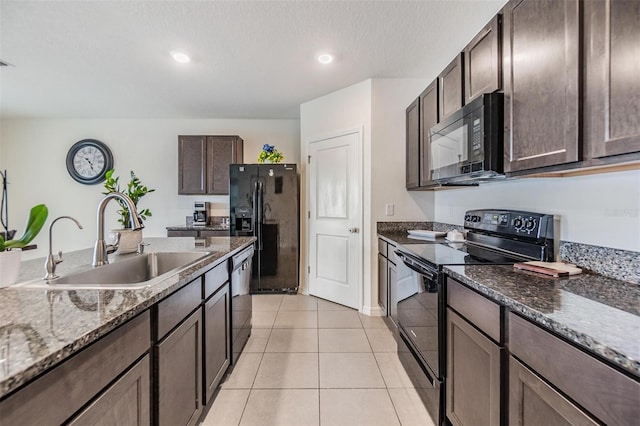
column 250, row 59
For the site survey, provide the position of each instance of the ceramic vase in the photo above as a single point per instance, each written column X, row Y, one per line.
column 9, row 267
column 129, row 240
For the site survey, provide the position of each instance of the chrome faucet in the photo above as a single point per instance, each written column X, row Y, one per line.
column 51, row 263
column 101, row 249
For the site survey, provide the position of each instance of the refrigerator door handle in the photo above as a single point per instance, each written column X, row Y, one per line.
column 258, row 208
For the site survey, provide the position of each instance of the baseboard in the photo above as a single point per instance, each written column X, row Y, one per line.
column 372, row 311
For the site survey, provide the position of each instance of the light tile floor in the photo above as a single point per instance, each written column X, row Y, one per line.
column 312, row 362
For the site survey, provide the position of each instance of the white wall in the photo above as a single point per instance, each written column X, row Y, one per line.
column 378, row 107
column 340, row 111
column 601, row 209
column 389, row 100
column 34, row 152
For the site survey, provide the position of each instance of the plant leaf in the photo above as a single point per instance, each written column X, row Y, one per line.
column 37, row 218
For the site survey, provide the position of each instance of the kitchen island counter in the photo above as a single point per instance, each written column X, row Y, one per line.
column 40, row 328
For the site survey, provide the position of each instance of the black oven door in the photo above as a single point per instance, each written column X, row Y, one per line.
column 418, row 309
column 417, row 298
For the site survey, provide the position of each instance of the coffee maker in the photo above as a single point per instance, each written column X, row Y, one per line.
column 200, row 213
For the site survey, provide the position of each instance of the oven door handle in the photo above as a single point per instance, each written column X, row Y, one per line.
column 433, row 276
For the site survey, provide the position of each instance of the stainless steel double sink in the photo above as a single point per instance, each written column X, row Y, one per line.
column 133, row 272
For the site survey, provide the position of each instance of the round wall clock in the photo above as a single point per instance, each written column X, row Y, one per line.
column 88, row 161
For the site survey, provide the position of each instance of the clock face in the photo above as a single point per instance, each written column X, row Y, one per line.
column 88, row 161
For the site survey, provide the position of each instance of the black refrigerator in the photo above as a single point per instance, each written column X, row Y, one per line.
column 264, row 202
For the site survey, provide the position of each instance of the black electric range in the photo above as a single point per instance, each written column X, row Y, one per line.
column 418, row 296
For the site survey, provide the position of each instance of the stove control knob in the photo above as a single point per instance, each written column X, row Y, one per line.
column 476, row 218
column 517, row 223
column 467, row 218
column 530, row 224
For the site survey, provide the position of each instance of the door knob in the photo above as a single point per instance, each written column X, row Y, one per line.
column 353, row 230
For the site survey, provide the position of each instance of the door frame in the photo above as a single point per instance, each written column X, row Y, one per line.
column 359, row 130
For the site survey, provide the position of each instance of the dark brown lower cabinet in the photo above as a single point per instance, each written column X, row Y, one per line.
column 179, row 378
column 126, row 402
column 182, row 234
column 383, row 283
column 202, row 233
column 56, row 396
column 473, row 375
column 533, row 402
column 217, row 342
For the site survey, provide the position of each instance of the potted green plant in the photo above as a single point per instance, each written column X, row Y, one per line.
column 129, row 239
column 270, row 154
column 9, row 253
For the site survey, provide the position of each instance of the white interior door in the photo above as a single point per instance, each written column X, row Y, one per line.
column 335, row 216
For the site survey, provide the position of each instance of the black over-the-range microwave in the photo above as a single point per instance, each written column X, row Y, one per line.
column 467, row 147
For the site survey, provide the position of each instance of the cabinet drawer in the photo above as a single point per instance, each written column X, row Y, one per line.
column 57, row 395
column 606, row 393
column 215, row 277
column 382, row 247
column 479, row 310
column 176, row 307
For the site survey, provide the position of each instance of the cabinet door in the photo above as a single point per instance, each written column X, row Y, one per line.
column 428, row 119
column 473, row 375
column 179, row 379
column 192, row 157
column 55, row 396
column 612, row 77
column 217, row 342
column 383, row 283
column 125, row 402
column 413, row 144
column 483, row 62
column 533, row 402
column 393, row 291
column 221, row 151
column 451, row 97
column 541, row 75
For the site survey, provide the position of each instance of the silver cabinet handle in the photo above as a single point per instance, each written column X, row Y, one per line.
column 353, row 230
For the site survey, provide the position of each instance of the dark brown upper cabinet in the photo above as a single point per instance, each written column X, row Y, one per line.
column 611, row 78
column 203, row 163
column 413, row 144
column 483, row 61
column 451, row 96
column 541, row 41
column 428, row 119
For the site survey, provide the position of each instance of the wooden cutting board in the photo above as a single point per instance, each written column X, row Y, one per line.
column 555, row 269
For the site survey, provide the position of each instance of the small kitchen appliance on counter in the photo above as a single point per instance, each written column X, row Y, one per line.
column 200, row 213
column 418, row 297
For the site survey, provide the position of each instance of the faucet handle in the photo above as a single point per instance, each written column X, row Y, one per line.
column 115, row 238
column 59, row 259
column 141, row 247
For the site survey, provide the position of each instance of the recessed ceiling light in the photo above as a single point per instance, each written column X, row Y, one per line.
column 181, row 57
column 325, row 58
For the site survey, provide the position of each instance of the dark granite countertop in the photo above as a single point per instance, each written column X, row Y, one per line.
column 40, row 328
column 403, row 238
column 198, row 228
column 599, row 314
